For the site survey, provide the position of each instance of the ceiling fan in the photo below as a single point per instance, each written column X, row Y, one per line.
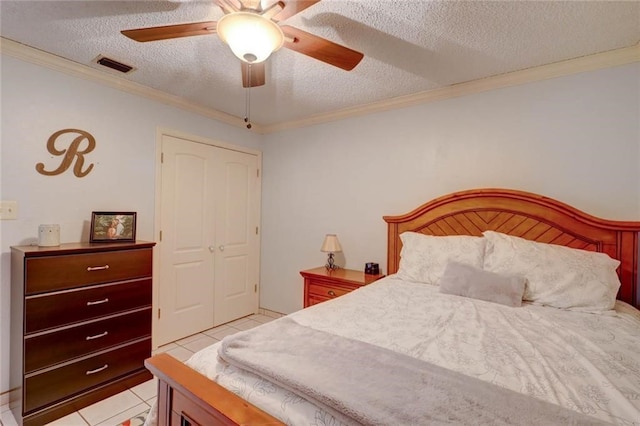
column 253, row 32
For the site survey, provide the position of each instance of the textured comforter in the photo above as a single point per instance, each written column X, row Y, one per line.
column 364, row 384
column 584, row 362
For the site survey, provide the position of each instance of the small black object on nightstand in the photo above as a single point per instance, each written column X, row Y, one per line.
column 371, row 268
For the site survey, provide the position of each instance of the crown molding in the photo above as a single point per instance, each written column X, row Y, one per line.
column 594, row 62
column 57, row 63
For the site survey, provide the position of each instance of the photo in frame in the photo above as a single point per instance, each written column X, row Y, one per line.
column 112, row 227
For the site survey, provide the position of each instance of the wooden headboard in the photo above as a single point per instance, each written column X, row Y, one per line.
column 525, row 215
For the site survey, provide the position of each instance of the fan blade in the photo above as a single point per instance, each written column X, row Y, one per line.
column 321, row 48
column 252, row 4
column 293, row 7
column 273, row 10
column 257, row 74
column 228, row 6
column 171, row 31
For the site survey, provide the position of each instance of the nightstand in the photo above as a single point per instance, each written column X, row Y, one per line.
column 321, row 284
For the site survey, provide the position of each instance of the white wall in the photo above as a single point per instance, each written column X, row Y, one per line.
column 575, row 139
column 36, row 102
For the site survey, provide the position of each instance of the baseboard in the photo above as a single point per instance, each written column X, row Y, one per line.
column 270, row 313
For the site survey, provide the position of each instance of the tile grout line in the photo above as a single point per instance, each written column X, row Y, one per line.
column 83, row 419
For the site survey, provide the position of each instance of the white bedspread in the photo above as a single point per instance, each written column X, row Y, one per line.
column 585, row 362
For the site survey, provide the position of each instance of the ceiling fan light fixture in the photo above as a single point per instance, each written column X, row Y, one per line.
column 251, row 37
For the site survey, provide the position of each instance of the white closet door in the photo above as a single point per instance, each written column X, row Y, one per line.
column 209, row 252
column 237, row 219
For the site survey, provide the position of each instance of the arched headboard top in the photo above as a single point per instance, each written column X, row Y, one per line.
column 525, row 215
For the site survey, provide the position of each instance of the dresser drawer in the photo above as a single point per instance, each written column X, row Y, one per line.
column 48, row 387
column 326, row 291
column 66, row 307
column 50, row 273
column 314, row 300
column 46, row 350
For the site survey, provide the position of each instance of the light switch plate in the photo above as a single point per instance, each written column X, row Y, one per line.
column 8, row 210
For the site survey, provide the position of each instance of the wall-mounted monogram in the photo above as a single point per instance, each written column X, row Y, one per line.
column 73, row 151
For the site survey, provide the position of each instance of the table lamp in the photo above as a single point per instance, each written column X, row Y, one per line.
column 331, row 245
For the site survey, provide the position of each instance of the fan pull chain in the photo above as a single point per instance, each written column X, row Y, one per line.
column 247, row 100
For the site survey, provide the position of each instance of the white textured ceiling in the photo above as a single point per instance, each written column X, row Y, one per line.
column 410, row 46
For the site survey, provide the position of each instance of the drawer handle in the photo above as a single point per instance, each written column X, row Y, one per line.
column 331, row 293
column 97, row 370
column 97, row 336
column 98, row 302
column 97, row 268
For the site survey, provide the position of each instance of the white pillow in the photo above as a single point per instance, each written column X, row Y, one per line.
column 423, row 258
column 557, row 276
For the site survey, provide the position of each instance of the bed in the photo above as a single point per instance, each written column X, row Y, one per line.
column 568, row 354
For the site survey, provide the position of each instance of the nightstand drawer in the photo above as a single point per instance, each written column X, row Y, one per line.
column 45, row 350
column 321, row 284
column 48, row 387
column 50, row 273
column 326, row 291
column 68, row 307
column 314, row 300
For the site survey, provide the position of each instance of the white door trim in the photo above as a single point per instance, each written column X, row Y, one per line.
column 160, row 132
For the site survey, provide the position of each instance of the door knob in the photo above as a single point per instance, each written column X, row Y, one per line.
column 212, row 249
column 221, row 248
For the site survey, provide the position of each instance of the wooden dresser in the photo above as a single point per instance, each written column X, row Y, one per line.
column 321, row 284
column 80, row 325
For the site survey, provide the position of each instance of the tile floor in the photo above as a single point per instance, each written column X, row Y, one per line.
column 130, row 403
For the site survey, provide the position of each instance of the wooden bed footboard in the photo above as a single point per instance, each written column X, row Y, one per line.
column 187, row 398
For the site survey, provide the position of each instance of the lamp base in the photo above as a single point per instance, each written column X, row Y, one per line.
column 330, row 265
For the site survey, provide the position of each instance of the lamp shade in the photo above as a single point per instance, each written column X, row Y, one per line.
column 251, row 37
column 331, row 244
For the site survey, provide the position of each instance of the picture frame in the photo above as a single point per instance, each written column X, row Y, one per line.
column 112, row 227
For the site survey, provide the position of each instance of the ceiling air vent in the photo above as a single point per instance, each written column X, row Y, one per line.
column 113, row 64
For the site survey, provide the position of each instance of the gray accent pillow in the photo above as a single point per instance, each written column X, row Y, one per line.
column 468, row 281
